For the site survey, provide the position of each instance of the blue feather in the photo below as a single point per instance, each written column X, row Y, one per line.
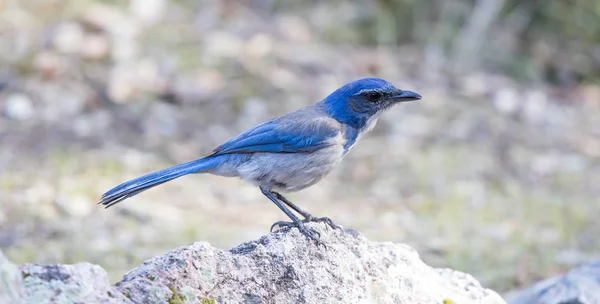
column 142, row 183
column 276, row 136
column 351, row 134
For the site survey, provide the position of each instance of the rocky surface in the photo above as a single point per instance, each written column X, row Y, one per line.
column 282, row 267
column 35, row 283
column 578, row 286
column 11, row 285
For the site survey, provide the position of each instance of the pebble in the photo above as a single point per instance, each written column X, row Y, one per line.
column 536, row 105
column 95, row 46
column 507, row 101
column 295, row 29
column 259, row 45
column 68, row 37
column 223, row 44
column 18, row 106
column 147, row 11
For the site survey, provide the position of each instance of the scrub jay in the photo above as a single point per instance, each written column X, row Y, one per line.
column 291, row 152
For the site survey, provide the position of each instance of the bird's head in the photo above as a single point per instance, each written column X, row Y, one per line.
column 357, row 102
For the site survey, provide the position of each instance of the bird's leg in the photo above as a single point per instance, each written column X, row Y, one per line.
column 307, row 216
column 296, row 222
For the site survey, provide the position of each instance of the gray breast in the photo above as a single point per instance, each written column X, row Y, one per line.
column 290, row 171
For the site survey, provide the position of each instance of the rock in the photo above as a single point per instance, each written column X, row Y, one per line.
column 48, row 64
column 536, row 105
column 111, row 20
column 148, row 11
column 79, row 283
column 11, row 285
column 122, row 82
column 285, row 267
column 95, row 46
column 578, row 286
column 507, row 101
column 18, row 106
column 68, row 37
column 475, row 85
column 294, row 28
column 259, row 45
column 223, row 44
column 282, row 267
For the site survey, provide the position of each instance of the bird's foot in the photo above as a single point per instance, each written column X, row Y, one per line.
column 282, row 224
column 310, row 233
column 325, row 220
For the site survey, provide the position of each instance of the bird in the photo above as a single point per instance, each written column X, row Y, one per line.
column 288, row 153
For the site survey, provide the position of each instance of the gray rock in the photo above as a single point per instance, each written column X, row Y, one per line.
column 18, row 106
column 285, row 267
column 578, row 286
column 79, row 283
column 11, row 285
column 282, row 267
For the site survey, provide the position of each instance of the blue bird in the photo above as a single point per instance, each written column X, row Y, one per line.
column 291, row 152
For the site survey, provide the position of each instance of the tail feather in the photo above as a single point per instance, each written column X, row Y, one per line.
column 143, row 183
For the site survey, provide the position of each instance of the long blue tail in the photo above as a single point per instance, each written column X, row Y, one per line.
column 143, row 183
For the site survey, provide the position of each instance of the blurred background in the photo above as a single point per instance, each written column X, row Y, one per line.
column 495, row 172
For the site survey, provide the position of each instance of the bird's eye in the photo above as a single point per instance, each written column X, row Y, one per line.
column 373, row 96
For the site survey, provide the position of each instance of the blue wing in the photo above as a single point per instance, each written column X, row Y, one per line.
column 277, row 136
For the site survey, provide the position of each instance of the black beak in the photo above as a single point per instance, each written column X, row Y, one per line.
column 405, row 96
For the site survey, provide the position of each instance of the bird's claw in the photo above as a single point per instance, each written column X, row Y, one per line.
column 306, row 231
column 282, row 224
column 325, row 220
